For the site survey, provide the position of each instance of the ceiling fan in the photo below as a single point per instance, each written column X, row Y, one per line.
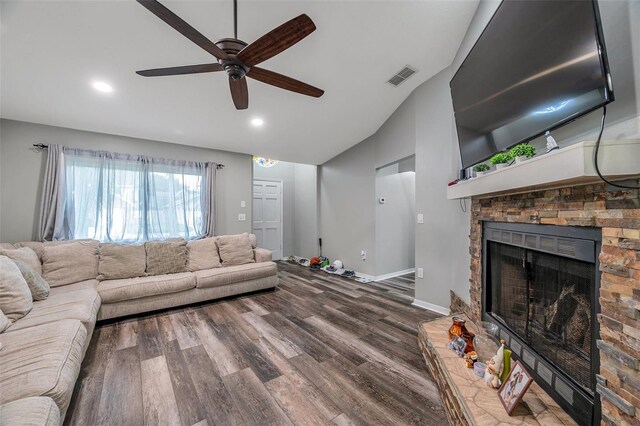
column 237, row 58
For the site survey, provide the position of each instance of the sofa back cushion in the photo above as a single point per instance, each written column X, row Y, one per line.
column 4, row 322
column 70, row 263
column 202, row 254
column 38, row 246
column 117, row 261
column 235, row 249
column 15, row 297
column 166, row 257
column 24, row 255
column 38, row 287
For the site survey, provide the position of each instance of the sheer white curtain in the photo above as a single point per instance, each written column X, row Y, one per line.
column 120, row 197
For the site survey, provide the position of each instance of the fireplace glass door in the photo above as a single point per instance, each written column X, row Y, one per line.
column 547, row 300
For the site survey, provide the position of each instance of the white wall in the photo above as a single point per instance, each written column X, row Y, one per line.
column 21, row 171
column 395, row 229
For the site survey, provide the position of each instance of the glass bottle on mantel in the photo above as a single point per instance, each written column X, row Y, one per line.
column 458, row 328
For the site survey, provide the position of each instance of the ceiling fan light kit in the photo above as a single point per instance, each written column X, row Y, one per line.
column 237, row 58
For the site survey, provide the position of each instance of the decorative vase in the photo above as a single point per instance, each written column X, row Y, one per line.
column 521, row 159
column 501, row 166
column 458, row 328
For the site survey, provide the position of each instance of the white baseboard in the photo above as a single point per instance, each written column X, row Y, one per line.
column 431, row 307
column 367, row 276
column 394, row 274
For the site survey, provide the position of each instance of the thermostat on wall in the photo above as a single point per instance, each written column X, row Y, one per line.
column 382, row 200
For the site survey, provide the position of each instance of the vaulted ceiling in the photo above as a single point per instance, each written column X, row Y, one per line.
column 52, row 51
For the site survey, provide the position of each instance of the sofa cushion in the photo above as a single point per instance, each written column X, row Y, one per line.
column 262, row 255
column 117, row 261
column 25, row 255
column 112, row 291
column 42, row 361
column 166, row 257
column 4, row 322
column 15, row 297
column 37, row 285
column 7, row 246
column 33, row 411
column 202, row 254
column 234, row 274
column 91, row 284
column 235, row 249
column 70, row 263
column 38, row 246
column 81, row 305
column 254, row 240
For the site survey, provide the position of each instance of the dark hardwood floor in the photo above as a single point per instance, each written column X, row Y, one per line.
column 320, row 349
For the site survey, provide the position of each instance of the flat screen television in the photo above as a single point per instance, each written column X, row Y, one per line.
column 537, row 65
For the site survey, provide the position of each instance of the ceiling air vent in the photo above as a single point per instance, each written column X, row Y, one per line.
column 402, row 75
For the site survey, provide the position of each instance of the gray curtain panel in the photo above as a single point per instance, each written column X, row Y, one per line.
column 127, row 198
column 53, row 195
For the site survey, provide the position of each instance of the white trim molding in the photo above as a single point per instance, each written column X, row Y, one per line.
column 431, row 307
column 394, row 274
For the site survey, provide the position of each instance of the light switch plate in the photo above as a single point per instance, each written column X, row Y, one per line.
column 420, row 273
column 420, row 218
column 242, row 217
column 243, row 204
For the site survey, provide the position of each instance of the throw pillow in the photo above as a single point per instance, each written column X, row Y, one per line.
column 202, row 254
column 119, row 261
column 24, row 255
column 15, row 297
column 70, row 263
column 166, row 257
column 235, row 249
column 4, row 322
column 37, row 285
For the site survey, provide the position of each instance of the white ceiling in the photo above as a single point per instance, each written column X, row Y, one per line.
column 51, row 51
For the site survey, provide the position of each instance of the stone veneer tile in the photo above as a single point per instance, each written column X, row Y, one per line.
column 617, row 212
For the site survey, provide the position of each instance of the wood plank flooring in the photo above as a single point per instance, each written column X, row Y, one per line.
column 319, row 350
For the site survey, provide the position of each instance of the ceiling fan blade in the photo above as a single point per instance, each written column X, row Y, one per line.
column 187, row 69
column 239, row 92
column 183, row 28
column 284, row 82
column 276, row 41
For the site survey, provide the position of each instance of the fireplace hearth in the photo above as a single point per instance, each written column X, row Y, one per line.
column 541, row 288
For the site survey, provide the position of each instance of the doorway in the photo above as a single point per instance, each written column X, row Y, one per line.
column 267, row 216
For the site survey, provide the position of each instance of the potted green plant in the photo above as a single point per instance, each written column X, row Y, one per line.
column 480, row 169
column 500, row 160
column 522, row 152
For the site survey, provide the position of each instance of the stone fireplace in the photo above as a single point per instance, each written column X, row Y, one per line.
column 568, row 315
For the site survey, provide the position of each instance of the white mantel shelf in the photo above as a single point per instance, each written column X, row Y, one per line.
column 567, row 166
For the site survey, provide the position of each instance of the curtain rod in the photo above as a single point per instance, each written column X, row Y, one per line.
column 41, row 146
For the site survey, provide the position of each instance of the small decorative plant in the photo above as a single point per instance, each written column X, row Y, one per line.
column 500, row 160
column 522, row 151
column 480, row 169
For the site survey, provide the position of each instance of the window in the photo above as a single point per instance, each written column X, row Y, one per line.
column 124, row 198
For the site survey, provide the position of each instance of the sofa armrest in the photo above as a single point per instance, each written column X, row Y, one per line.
column 261, row 255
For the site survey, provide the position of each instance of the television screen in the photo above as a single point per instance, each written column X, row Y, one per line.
column 537, row 65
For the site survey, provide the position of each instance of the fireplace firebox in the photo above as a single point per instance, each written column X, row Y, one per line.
column 541, row 286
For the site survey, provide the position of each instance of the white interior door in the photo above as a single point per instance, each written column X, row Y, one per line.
column 267, row 215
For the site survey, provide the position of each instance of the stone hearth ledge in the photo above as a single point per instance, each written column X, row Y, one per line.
column 467, row 400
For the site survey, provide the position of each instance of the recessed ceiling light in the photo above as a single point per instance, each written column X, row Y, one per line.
column 257, row 122
column 103, row 87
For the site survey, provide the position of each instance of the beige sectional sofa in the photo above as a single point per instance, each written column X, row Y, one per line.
column 41, row 353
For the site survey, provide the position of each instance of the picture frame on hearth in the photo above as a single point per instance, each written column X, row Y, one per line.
column 458, row 345
column 514, row 387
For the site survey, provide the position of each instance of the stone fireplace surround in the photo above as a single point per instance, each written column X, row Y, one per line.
column 617, row 212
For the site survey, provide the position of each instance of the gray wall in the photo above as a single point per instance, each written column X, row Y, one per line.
column 22, row 169
column 300, row 223
column 395, row 229
column 347, row 191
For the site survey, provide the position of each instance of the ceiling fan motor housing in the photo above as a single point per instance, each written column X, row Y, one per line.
column 234, row 68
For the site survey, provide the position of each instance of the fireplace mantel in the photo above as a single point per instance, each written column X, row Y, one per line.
column 572, row 165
